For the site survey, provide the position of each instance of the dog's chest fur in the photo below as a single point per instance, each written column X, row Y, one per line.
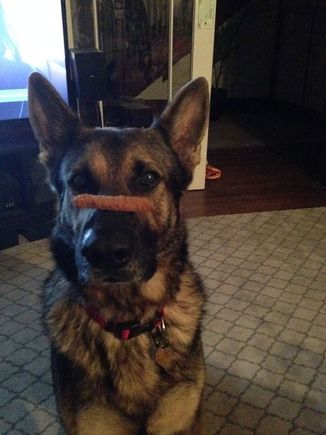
column 125, row 372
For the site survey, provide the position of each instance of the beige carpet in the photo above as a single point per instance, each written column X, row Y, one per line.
column 264, row 332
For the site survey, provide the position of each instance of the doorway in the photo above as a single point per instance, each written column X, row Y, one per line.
column 269, row 61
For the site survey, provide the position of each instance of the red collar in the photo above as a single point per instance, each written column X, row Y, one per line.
column 127, row 330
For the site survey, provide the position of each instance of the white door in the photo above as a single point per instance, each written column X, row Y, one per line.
column 202, row 64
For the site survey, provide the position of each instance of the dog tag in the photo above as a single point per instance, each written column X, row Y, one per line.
column 164, row 357
column 160, row 339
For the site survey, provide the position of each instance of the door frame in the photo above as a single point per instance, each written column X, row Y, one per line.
column 202, row 66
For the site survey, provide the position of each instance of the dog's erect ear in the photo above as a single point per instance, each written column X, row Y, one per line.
column 53, row 123
column 184, row 121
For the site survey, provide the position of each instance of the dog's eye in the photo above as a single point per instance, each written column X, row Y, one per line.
column 81, row 183
column 149, row 179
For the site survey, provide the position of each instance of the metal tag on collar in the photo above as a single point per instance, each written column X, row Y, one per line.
column 159, row 334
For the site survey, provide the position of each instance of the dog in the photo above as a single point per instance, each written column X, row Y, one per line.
column 123, row 306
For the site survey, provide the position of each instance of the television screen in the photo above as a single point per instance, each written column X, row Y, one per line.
column 31, row 39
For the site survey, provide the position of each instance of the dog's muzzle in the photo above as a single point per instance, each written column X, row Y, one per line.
column 116, row 247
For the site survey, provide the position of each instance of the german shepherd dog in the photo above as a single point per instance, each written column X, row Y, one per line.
column 123, row 306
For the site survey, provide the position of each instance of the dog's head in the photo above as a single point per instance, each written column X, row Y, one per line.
column 99, row 246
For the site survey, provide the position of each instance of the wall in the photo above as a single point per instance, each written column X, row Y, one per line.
column 301, row 63
column 294, row 50
column 248, row 70
column 315, row 94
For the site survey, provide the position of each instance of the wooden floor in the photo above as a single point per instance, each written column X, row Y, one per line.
column 253, row 180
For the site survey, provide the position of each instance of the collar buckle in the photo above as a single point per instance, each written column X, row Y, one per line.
column 159, row 334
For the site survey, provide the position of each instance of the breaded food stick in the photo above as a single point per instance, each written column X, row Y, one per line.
column 114, row 203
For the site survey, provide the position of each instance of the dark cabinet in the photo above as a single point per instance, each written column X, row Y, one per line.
column 26, row 202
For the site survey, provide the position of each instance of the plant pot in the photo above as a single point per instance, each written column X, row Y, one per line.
column 218, row 103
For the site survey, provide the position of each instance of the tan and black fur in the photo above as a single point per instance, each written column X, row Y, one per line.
column 104, row 385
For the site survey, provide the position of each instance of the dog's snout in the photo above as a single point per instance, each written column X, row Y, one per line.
column 114, row 251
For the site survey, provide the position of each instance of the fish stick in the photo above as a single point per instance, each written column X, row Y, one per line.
column 122, row 203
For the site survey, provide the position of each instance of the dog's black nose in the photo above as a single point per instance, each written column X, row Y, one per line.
column 107, row 251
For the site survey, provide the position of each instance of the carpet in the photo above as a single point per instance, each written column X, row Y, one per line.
column 264, row 331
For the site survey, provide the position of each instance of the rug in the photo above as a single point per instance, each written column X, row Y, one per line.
column 264, row 331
